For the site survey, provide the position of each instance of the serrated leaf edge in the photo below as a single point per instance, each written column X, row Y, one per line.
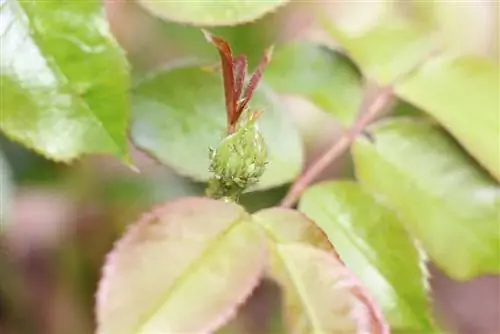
column 108, row 269
column 358, row 289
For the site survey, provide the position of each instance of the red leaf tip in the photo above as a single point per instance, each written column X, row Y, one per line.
column 234, row 71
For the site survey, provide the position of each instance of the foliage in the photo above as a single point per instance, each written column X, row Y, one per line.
column 352, row 257
column 64, row 81
column 372, row 242
column 450, row 88
column 178, row 122
column 326, row 71
column 319, row 291
column 437, row 191
column 199, row 288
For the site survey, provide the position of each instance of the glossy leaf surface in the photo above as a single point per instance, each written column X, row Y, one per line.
column 184, row 268
column 442, row 197
column 178, row 114
column 319, row 74
column 463, row 94
column 373, row 243
column 64, row 81
column 213, row 13
column 320, row 294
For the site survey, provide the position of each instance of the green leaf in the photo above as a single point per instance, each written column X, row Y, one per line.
column 386, row 51
column 373, row 243
column 5, row 190
column 213, row 13
column 321, row 295
column 319, row 74
column 179, row 113
column 463, row 94
column 443, row 198
column 183, row 268
column 64, row 81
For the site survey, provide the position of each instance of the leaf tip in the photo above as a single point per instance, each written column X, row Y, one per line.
column 129, row 163
column 208, row 36
column 268, row 53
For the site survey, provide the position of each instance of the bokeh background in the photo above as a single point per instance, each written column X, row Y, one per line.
column 63, row 219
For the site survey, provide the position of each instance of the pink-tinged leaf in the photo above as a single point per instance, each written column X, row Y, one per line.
column 290, row 226
column 321, row 294
column 183, row 268
column 376, row 247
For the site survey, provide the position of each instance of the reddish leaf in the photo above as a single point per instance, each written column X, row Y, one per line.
column 234, row 73
column 240, row 72
column 321, row 294
column 227, row 64
column 254, row 81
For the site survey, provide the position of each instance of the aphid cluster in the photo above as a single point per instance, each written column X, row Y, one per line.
column 240, row 158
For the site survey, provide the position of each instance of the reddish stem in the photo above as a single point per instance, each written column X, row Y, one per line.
column 373, row 109
column 380, row 101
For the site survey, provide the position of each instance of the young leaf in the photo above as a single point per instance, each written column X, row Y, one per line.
column 442, row 197
column 386, row 51
column 318, row 284
column 374, row 245
column 179, row 113
column 254, row 80
column 234, row 77
column 319, row 74
column 213, row 13
column 183, row 268
column 64, row 80
column 321, row 295
column 228, row 76
column 463, row 94
column 240, row 73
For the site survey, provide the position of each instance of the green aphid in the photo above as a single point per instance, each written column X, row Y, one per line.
column 240, row 158
column 239, row 161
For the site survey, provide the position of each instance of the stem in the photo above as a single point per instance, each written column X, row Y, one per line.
column 381, row 100
column 373, row 109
